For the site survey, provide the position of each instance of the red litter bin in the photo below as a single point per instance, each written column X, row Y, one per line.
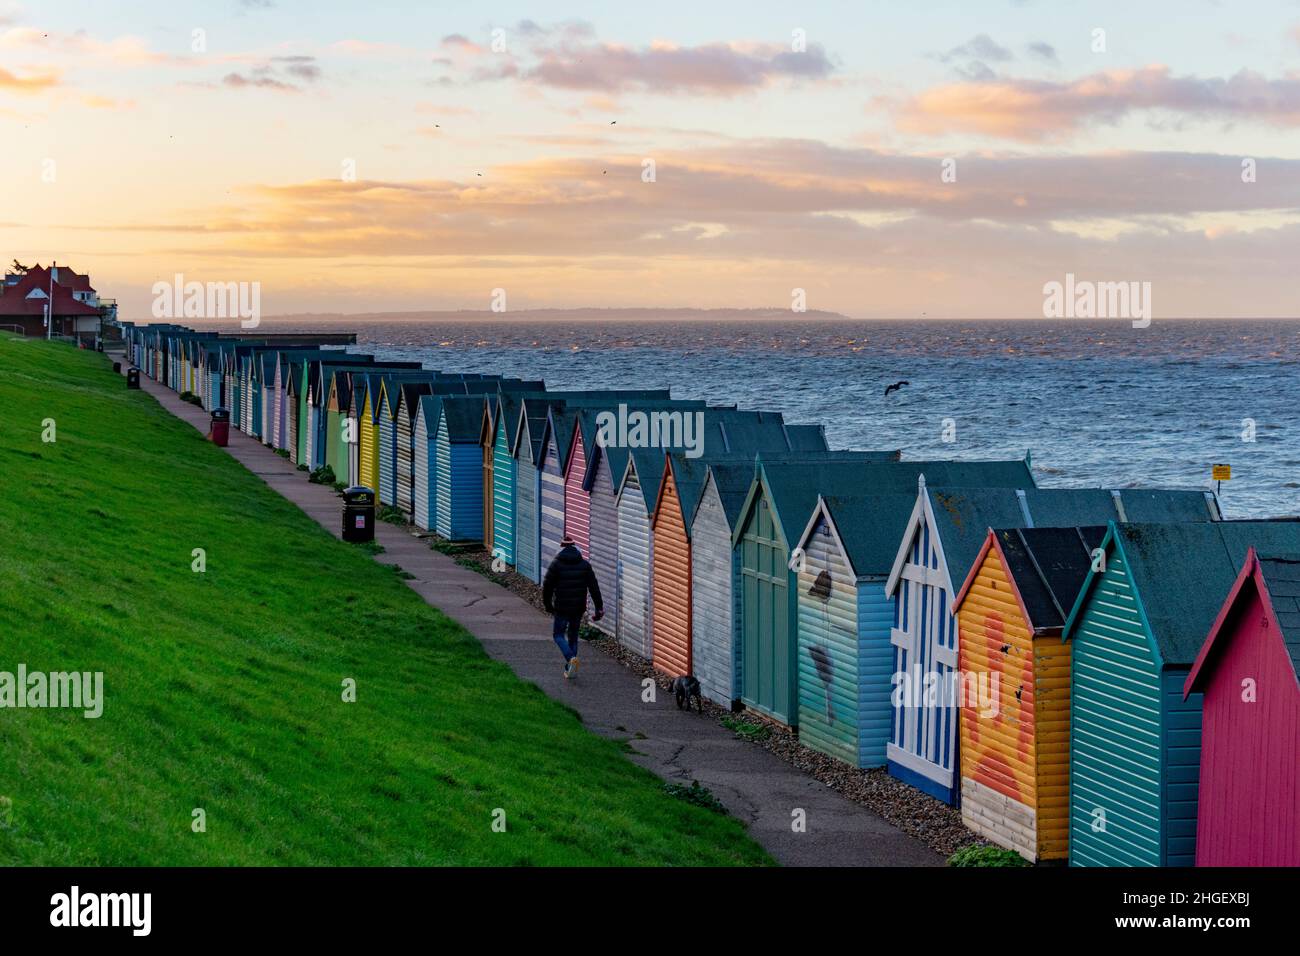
column 220, row 434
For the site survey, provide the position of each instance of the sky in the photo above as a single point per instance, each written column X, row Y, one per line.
column 888, row 159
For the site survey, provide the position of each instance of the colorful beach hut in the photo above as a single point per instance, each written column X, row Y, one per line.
column 1248, row 672
column 723, row 429
column 1015, row 717
column 671, row 550
column 771, row 523
column 947, row 529
column 1135, row 630
column 527, row 454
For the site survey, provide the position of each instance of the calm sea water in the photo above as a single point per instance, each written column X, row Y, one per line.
column 1097, row 404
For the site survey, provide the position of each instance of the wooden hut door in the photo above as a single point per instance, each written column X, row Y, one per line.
column 765, row 645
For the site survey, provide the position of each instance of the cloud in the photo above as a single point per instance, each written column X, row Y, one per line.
column 32, row 83
column 784, row 199
column 1044, row 51
column 567, row 57
column 284, row 74
column 1031, row 110
column 979, row 47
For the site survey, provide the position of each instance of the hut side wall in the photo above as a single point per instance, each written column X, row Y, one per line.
column 1249, row 808
column 551, row 505
column 714, row 594
column 670, row 583
column 828, row 648
column 602, row 541
column 634, row 558
column 999, row 786
column 503, row 499
column 577, row 503
column 526, row 531
column 1115, row 729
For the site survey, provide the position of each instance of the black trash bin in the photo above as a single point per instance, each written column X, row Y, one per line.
column 133, row 378
column 358, row 514
column 117, row 368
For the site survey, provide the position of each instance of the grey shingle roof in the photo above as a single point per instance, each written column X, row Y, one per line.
column 1183, row 573
column 1282, row 578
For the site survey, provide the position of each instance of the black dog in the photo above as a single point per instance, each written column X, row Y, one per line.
column 684, row 688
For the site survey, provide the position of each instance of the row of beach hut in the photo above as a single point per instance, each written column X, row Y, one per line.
column 1104, row 676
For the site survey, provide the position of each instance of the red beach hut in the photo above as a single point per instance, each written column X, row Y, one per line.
column 1249, row 809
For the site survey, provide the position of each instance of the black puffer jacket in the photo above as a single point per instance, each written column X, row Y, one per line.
column 567, row 582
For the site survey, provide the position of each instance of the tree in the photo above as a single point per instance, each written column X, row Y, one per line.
column 19, row 268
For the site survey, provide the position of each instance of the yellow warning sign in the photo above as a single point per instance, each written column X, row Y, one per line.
column 1221, row 472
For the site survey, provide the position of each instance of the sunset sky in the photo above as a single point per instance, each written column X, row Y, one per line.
column 127, row 153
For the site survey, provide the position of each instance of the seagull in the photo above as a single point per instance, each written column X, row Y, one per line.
column 612, row 122
column 895, row 387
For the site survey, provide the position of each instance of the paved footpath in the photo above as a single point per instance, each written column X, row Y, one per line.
column 755, row 786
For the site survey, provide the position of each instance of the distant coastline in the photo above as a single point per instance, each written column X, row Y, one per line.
column 626, row 315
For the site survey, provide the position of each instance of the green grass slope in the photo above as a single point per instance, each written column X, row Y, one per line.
column 223, row 690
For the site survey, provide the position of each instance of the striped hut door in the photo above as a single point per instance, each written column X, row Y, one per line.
column 422, row 508
column 503, row 481
column 369, row 478
column 670, row 624
column 925, row 653
column 292, row 425
column 551, row 506
column 526, row 536
column 387, row 452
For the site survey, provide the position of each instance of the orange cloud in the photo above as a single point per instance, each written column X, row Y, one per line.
column 34, row 83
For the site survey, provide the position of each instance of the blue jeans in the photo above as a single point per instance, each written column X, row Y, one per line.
column 567, row 627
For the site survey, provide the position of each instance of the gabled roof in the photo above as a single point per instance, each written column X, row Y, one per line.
column 615, row 456
column 1046, row 567
column 961, row 517
column 728, row 433
column 793, row 489
column 30, row 294
column 1282, row 578
column 1276, row 580
column 1179, row 573
column 732, row 482
column 461, row 413
column 867, row 528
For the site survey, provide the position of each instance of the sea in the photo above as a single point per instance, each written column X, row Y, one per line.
column 1094, row 403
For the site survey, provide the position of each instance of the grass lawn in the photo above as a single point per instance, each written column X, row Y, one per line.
column 223, row 689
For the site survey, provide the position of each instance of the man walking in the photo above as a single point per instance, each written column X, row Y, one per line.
column 568, row 581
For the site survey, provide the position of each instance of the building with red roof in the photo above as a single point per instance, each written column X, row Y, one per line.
column 30, row 300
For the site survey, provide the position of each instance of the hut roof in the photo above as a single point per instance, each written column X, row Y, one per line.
column 1180, row 573
column 962, row 516
column 1282, row 578
column 795, row 488
column 1047, row 566
column 728, row 433
column 462, row 413
column 869, row 528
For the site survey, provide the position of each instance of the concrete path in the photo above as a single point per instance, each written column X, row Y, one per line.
column 755, row 786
